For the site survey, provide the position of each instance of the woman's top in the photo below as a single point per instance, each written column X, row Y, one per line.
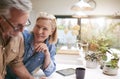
column 33, row 60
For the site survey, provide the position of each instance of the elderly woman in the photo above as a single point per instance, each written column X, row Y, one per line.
column 40, row 46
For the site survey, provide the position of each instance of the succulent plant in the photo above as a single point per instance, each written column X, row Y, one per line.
column 93, row 56
column 113, row 63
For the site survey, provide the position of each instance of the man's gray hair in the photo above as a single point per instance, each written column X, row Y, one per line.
column 6, row 5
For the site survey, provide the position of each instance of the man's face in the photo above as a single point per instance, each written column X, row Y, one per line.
column 18, row 19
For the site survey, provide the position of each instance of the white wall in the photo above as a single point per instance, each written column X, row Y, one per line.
column 62, row 7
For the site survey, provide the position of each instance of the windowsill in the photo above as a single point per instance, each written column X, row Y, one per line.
column 70, row 51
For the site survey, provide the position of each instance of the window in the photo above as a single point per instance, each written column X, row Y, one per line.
column 91, row 27
column 68, row 29
column 101, row 27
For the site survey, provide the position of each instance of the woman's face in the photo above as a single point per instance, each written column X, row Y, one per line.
column 42, row 30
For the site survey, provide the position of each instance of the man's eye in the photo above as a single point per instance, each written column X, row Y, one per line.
column 20, row 25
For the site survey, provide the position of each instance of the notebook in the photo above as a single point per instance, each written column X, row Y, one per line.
column 66, row 72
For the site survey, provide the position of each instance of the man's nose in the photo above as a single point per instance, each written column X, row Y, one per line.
column 21, row 30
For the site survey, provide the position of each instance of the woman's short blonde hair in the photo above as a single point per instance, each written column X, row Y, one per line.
column 52, row 18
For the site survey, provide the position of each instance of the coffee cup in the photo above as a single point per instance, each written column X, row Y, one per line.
column 80, row 73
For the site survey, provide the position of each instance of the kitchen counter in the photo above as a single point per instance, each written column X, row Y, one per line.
column 74, row 61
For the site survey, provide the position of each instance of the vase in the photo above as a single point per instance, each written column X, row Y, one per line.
column 91, row 64
column 110, row 71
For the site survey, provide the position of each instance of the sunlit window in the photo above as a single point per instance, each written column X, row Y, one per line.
column 102, row 27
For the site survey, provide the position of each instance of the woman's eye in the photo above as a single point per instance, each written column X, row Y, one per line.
column 45, row 29
column 37, row 26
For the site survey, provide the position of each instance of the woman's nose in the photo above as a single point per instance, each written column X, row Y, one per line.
column 40, row 31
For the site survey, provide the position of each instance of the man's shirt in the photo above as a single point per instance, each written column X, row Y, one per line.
column 12, row 53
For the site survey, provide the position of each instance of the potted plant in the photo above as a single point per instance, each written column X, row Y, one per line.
column 104, row 47
column 92, row 59
column 101, row 46
column 111, row 67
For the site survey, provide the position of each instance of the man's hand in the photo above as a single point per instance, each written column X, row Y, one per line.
column 0, row 76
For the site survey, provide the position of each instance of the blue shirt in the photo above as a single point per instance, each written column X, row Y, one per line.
column 33, row 61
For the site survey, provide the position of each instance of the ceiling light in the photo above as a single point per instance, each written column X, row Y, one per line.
column 79, row 15
column 81, row 6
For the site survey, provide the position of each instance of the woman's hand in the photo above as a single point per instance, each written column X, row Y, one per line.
column 41, row 47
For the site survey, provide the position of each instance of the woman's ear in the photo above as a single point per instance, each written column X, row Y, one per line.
column 52, row 31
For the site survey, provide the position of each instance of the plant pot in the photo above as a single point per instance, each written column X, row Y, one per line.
column 110, row 71
column 102, row 63
column 91, row 64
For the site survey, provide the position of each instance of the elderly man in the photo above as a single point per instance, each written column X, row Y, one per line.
column 13, row 17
